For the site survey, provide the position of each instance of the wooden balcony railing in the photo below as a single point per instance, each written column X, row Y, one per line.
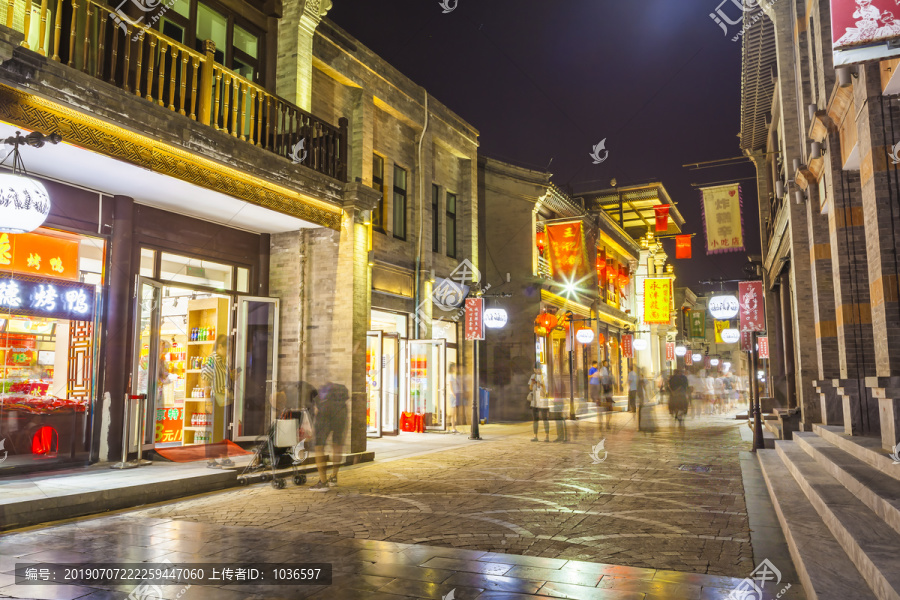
column 94, row 39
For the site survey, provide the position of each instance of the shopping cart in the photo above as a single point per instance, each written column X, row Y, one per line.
column 281, row 450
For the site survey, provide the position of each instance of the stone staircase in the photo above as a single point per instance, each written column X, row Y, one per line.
column 838, row 501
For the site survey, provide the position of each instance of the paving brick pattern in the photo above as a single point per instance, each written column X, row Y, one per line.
column 511, row 495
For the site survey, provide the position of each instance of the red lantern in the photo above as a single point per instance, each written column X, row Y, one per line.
column 624, row 278
column 545, row 322
column 541, row 242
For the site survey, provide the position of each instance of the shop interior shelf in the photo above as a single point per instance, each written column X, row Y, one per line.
column 197, row 428
column 201, row 342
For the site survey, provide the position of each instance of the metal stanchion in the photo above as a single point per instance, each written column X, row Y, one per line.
column 125, row 463
column 142, row 407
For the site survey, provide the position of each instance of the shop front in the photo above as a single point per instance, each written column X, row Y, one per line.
column 204, row 350
column 405, row 378
column 50, row 317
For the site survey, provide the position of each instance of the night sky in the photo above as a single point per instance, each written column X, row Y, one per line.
column 548, row 80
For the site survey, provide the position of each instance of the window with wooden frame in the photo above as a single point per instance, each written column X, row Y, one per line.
column 451, row 225
column 378, row 184
column 399, row 203
column 435, row 218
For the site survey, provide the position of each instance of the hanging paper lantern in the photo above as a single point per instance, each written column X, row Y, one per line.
column 545, row 322
column 24, row 204
column 624, row 278
column 541, row 242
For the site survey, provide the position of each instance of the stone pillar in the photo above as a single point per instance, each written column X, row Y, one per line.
column 876, row 119
column 787, row 338
column 111, row 405
column 296, row 30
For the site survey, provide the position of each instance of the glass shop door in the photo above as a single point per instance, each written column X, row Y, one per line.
column 374, row 383
column 427, row 361
column 256, row 368
column 146, row 363
column 393, row 348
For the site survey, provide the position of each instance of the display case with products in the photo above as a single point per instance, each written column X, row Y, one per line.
column 206, row 319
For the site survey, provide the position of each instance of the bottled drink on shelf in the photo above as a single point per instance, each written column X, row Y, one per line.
column 212, row 333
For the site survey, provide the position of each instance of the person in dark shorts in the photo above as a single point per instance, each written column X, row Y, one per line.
column 331, row 420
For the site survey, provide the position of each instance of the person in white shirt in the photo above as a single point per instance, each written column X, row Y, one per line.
column 540, row 404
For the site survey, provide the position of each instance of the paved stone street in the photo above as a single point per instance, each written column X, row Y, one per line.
column 542, row 499
column 501, row 518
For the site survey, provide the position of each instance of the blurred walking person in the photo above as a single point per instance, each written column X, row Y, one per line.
column 540, row 405
column 633, row 384
column 455, row 396
column 606, row 397
column 678, row 394
column 331, row 421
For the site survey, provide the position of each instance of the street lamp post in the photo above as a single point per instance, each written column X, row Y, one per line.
column 758, row 441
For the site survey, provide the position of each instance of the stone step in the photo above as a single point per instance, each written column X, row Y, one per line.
column 774, row 428
column 881, row 494
column 812, row 546
column 864, row 448
column 870, row 544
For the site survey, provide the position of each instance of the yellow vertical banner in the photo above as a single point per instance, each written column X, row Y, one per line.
column 657, row 300
column 720, row 327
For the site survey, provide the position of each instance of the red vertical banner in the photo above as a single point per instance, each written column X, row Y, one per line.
column 474, row 318
column 688, row 358
column 763, row 342
column 568, row 253
column 670, row 350
column 746, row 341
column 752, row 306
column 627, row 349
column 682, row 246
column 662, row 217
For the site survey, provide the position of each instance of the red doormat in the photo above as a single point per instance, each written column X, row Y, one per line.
column 202, row 451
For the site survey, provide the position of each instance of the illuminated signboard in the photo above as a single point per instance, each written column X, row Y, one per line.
column 50, row 298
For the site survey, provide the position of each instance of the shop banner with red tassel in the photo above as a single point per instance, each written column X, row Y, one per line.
column 568, row 253
column 670, row 350
column 723, row 221
column 662, row 217
column 682, row 246
column 688, row 358
column 627, row 349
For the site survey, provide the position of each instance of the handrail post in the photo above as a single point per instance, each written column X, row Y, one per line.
column 206, row 82
column 126, row 422
column 343, row 124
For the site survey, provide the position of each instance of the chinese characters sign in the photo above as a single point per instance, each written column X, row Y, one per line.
column 627, row 349
column 670, row 350
column 50, row 298
column 568, row 254
column 168, row 424
column 38, row 254
column 722, row 219
column 698, row 324
column 682, row 246
column 763, row 343
column 661, row 213
column 753, row 307
column 474, row 318
column 657, row 300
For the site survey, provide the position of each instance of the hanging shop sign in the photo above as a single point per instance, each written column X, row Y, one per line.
column 657, row 299
column 670, row 350
column 696, row 357
column 762, row 343
column 568, row 254
column 752, row 306
column 682, row 246
column 722, row 219
column 719, row 327
column 730, row 336
column 746, row 341
column 680, row 351
column 539, row 350
column 861, row 30
column 474, row 318
column 37, row 254
column 688, row 359
column 698, row 324
column 639, row 344
column 723, row 307
column 627, row 346
column 43, row 297
column 662, row 217
column 495, row 318
column 584, row 336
